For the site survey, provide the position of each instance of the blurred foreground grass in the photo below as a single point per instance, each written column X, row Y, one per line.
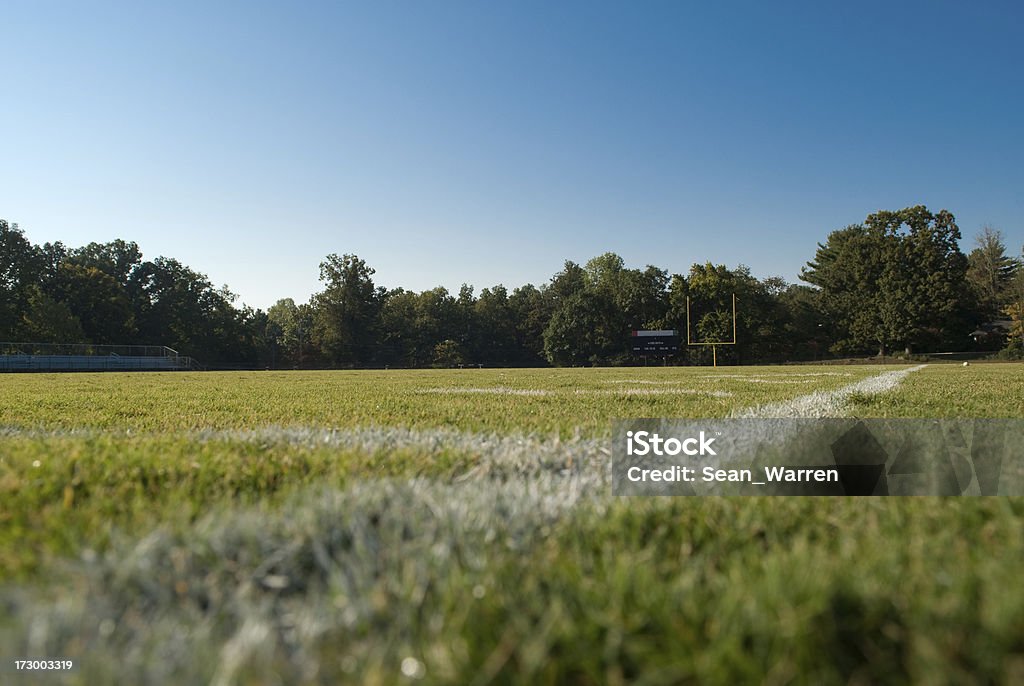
column 389, row 585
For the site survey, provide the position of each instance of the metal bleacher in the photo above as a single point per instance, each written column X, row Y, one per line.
column 84, row 357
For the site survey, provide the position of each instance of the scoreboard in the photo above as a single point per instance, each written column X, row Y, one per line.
column 650, row 342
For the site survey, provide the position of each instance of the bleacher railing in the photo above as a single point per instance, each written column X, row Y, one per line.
column 28, row 356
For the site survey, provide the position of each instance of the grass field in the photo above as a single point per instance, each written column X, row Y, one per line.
column 457, row 527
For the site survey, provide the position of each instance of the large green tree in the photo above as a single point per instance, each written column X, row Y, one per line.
column 118, row 259
column 46, row 320
column 288, row 328
column 20, row 266
column 847, row 268
column 806, row 329
column 99, row 302
column 897, row 280
column 594, row 308
column 181, row 308
column 437, row 315
column 495, row 321
column 925, row 289
column 531, row 308
column 758, row 324
column 577, row 333
column 346, row 311
column 397, row 344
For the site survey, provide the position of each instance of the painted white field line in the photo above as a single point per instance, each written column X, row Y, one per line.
column 537, row 392
column 496, row 390
column 387, row 438
column 654, row 391
column 828, row 403
column 782, row 375
column 788, row 382
column 323, row 562
column 644, row 382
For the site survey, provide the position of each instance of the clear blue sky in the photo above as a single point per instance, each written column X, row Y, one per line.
column 487, row 142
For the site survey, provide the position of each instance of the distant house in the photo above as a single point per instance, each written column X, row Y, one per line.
column 992, row 334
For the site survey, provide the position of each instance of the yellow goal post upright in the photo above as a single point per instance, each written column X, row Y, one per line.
column 714, row 344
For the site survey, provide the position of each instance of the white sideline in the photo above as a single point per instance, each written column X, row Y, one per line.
column 828, row 403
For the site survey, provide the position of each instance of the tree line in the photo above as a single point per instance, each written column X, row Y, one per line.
column 897, row 282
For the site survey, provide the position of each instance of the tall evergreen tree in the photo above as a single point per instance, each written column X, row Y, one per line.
column 989, row 273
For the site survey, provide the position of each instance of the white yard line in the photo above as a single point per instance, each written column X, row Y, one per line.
column 655, row 391
column 777, row 375
column 643, row 382
column 495, row 390
column 828, row 403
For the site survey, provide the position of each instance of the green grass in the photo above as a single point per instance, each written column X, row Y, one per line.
column 119, row 452
column 569, row 400
column 63, row 494
column 163, row 528
column 992, row 390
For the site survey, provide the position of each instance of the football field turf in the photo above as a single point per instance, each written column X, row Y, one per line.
column 457, row 526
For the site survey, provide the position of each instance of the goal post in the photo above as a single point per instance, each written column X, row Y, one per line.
column 714, row 344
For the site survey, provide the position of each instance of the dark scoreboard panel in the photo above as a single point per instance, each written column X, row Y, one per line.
column 665, row 342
